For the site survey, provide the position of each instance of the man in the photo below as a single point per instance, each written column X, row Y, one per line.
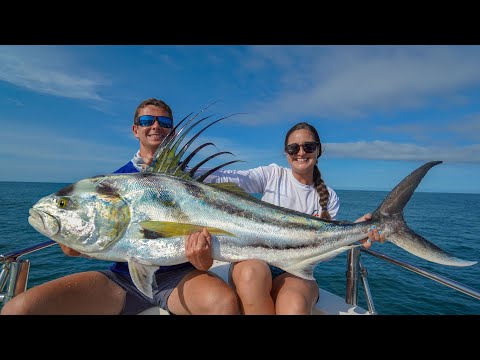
column 181, row 289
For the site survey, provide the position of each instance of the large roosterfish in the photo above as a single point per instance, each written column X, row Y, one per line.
column 143, row 218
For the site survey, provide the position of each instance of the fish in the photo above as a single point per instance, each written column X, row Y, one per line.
column 143, row 218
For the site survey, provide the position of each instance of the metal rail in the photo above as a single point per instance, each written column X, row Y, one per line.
column 428, row 274
column 12, row 256
column 354, row 268
column 16, row 271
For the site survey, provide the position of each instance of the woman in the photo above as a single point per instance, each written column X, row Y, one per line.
column 265, row 289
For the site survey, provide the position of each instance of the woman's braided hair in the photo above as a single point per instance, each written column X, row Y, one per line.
column 317, row 176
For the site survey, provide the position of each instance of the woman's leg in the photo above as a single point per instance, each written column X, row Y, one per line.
column 252, row 280
column 294, row 295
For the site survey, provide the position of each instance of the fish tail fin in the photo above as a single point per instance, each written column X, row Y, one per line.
column 390, row 217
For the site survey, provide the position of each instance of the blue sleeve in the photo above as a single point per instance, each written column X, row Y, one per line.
column 127, row 168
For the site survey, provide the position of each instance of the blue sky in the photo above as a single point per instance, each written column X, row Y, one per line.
column 381, row 111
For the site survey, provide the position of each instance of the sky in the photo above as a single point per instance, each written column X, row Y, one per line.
column 381, row 111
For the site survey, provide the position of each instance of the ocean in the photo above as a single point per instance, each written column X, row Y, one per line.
column 450, row 221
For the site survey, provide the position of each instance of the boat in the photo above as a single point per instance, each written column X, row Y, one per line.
column 15, row 273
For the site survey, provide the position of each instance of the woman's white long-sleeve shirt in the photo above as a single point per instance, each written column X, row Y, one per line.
column 278, row 186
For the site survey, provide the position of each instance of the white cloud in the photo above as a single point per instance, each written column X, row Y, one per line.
column 327, row 81
column 383, row 150
column 48, row 70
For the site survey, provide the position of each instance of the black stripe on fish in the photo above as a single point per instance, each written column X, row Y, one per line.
column 169, row 204
column 66, row 191
column 292, row 246
column 105, row 189
column 196, row 191
column 146, row 174
column 97, row 177
column 148, row 234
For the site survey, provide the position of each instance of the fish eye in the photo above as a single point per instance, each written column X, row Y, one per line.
column 63, row 202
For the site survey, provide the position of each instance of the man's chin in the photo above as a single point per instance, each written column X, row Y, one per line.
column 156, row 141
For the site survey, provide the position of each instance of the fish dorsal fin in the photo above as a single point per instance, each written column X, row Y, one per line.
column 142, row 276
column 167, row 159
column 167, row 229
column 233, row 188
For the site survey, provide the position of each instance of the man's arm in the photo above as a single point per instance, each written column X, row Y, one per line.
column 198, row 250
column 69, row 251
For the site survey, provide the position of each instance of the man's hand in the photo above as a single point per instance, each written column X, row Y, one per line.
column 69, row 251
column 373, row 233
column 198, row 250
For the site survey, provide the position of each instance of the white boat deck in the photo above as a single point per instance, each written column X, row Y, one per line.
column 328, row 303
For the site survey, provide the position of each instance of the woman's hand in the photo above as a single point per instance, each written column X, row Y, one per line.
column 373, row 233
column 198, row 250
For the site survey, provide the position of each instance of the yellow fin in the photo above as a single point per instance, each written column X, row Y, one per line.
column 232, row 187
column 173, row 229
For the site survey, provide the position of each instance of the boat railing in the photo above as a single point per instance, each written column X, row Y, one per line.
column 15, row 272
column 355, row 268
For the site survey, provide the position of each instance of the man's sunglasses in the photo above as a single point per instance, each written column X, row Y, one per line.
column 308, row 147
column 148, row 120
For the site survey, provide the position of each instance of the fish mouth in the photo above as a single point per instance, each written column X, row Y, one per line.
column 43, row 222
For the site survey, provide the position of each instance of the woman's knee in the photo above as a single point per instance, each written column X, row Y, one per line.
column 296, row 301
column 251, row 271
column 296, row 304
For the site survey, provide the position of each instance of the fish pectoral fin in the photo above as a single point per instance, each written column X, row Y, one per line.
column 142, row 276
column 304, row 269
column 166, row 229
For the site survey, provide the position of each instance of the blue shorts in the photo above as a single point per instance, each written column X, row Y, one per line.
column 276, row 271
column 136, row 301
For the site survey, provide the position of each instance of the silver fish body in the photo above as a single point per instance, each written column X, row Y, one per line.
column 142, row 219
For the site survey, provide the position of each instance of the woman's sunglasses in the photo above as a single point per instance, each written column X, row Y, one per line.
column 308, row 147
column 148, row 120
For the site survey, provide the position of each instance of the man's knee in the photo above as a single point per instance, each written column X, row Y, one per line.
column 226, row 303
column 17, row 306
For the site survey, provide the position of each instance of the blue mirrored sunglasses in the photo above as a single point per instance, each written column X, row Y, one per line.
column 148, row 120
